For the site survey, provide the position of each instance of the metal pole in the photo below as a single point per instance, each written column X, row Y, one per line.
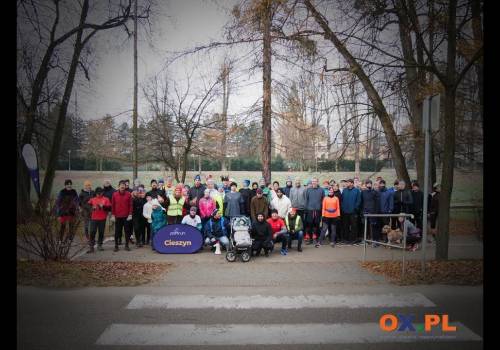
column 69, row 160
column 364, row 241
column 134, row 114
column 426, row 181
column 404, row 248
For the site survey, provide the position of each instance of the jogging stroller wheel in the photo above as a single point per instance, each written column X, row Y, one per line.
column 231, row 256
column 245, row 256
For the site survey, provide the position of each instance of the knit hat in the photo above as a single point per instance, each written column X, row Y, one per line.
column 214, row 212
column 246, row 182
column 99, row 190
column 160, row 181
column 207, row 190
column 197, row 177
column 259, row 191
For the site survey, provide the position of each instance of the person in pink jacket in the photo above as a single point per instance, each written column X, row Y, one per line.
column 207, row 206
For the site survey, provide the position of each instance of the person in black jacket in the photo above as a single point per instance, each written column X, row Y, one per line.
column 262, row 234
column 253, row 191
column 155, row 191
column 418, row 204
column 336, row 192
column 196, row 193
column 403, row 201
column 370, row 201
column 138, row 220
column 434, row 208
column 67, row 207
column 246, row 194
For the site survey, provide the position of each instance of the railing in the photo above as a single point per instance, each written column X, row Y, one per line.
column 365, row 241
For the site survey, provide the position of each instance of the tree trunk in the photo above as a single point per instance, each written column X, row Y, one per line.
column 266, row 109
column 449, row 137
column 225, row 102
column 134, row 117
column 56, row 143
column 379, row 108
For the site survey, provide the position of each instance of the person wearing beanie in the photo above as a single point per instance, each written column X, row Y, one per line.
column 86, row 210
column 158, row 219
column 217, row 230
column 100, row 206
column 155, row 191
column 330, row 216
column 314, row 200
column 138, row 220
column 350, row 207
column 192, row 219
column 175, row 204
column 66, row 207
column 121, row 208
column 261, row 233
column 196, row 192
column 233, row 202
column 258, row 204
column 370, row 200
column 206, row 207
column 246, row 194
column 288, row 187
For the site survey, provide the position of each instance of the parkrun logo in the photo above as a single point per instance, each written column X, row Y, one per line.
column 401, row 323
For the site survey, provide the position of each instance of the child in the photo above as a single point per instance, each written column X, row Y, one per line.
column 192, row 219
column 159, row 220
column 146, row 212
column 413, row 234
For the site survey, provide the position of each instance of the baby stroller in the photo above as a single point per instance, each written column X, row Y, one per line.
column 240, row 242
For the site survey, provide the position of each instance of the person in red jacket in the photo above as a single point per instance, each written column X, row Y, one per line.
column 280, row 233
column 121, row 208
column 100, row 206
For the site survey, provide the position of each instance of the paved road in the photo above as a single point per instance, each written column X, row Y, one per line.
column 181, row 315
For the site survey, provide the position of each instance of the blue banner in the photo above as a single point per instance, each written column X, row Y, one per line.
column 31, row 161
column 178, row 239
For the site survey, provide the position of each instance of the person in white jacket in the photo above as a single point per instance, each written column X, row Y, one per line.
column 281, row 203
column 146, row 212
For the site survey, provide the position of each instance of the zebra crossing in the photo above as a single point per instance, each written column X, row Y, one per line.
column 285, row 333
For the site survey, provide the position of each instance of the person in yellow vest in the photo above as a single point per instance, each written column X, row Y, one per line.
column 174, row 204
column 295, row 228
column 219, row 199
column 330, row 216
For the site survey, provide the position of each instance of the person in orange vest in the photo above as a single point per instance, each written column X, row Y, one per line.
column 330, row 212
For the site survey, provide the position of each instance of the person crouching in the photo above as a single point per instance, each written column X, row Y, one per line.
column 216, row 230
column 261, row 233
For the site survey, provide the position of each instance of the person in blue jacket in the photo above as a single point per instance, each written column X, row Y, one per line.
column 386, row 203
column 217, row 229
column 350, row 208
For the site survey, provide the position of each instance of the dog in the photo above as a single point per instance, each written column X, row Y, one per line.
column 393, row 236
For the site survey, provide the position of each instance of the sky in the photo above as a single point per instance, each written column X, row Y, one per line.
column 177, row 26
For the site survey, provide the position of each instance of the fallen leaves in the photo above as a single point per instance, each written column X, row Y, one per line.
column 88, row 273
column 456, row 272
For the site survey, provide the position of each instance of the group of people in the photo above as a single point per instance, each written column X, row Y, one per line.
column 279, row 214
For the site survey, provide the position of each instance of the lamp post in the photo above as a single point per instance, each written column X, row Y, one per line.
column 69, row 160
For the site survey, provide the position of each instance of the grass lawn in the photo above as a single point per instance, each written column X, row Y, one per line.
column 456, row 272
column 76, row 274
column 467, row 185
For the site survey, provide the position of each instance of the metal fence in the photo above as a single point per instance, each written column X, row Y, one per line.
column 405, row 229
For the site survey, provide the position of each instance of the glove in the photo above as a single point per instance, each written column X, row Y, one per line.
column 129, row 217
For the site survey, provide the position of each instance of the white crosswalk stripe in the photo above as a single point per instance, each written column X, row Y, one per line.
column 193, row 334
column 278, row 302
column 262, row 334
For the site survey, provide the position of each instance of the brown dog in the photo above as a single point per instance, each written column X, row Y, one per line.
column 393, row 236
